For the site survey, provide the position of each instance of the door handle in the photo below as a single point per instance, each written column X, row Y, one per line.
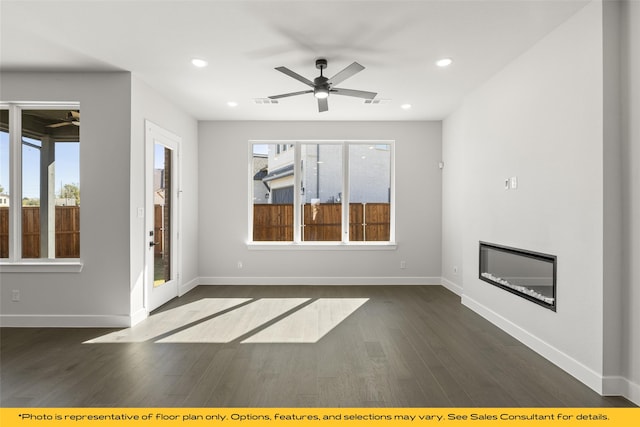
column 152, row 244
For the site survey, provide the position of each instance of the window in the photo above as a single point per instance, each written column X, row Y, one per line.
column 40, row 163
column 4, row 183
column 322, row 191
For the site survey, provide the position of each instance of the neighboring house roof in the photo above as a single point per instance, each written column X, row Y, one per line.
column 262, row 173
column 279, row 173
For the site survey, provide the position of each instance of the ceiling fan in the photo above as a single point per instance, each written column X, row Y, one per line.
column 73, row 118
column 322, row 86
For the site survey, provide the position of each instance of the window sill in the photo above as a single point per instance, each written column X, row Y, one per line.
column 42, row 266
column 318, row 246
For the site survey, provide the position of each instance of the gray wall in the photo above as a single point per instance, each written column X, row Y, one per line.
column 613, row 284
column 109, row 289
column 146, row 104
column 99, row 294
column 223, row 207
column 575, row 126
column 630, row 97
column 453, row 203
column 540, row 119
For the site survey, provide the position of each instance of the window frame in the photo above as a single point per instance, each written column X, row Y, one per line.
column 15, row 263
column 345, row 243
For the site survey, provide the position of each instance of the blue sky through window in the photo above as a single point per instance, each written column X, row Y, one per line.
column 67, row 166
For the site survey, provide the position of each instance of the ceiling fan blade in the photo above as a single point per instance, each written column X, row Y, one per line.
column 346, row 73
column 356, row 93
column 284, row 95
column 295, row 75
column 323, row 104
column 58, row 125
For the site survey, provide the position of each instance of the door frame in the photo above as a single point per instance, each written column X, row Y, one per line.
column 154, row 297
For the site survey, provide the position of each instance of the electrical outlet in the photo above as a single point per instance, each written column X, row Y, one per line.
column 240, row 264
column 403, row 264
column 15, row 295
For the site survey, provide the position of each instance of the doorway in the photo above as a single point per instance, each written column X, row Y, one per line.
column 162, row 215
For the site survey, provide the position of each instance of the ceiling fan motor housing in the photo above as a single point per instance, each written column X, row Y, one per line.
column 320, row 86
column 321, row 64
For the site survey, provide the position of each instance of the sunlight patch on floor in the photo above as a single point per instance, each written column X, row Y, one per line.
column 236, row 323
column 309, row 324
column 170, row 320
column 248, row 320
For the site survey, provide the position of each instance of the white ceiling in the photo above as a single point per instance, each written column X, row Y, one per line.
column 397, row 41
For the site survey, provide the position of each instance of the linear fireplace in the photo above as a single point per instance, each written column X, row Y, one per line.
column 531, row 275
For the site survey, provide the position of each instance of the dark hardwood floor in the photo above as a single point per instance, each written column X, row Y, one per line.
column 406, row 346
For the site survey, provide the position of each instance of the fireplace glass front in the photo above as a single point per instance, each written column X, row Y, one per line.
column 531, row 275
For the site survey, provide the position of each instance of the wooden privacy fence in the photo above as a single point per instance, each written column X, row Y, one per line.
column 158, row 229
column 271, row 222
column 323, row 222
column 67, row 232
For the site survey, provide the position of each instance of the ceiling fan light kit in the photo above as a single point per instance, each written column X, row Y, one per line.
column 321, row 92
column 322, row 86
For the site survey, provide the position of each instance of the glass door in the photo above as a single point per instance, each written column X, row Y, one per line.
column 162, row 210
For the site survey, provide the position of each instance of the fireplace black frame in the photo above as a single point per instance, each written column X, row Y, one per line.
column 526, row 253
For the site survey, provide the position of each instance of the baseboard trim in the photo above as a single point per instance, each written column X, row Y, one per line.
column 453, row 287
column 337, row 281
column 64, row 321
column 632, row 392
column 583, row 373
column 620, row 386
column 186, row 287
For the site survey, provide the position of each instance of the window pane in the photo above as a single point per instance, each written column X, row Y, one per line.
column 162, row 214
column 50, row 184
column 272, row 193
column 369, row 192
column 31, row 244
column 4, row 184
column 67, row 211
column 321, row 192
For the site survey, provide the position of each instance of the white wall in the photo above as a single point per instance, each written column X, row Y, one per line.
column 630, row 91
column 146, row 104
column 223, row 207
column 540, row 119
column 99, row 294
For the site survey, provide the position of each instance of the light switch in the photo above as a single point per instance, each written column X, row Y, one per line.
column 514, row 182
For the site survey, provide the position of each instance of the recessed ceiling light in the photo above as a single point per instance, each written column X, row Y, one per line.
column 232, row 104
column 200, row 63
column 406, row 106
column 444, row 62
